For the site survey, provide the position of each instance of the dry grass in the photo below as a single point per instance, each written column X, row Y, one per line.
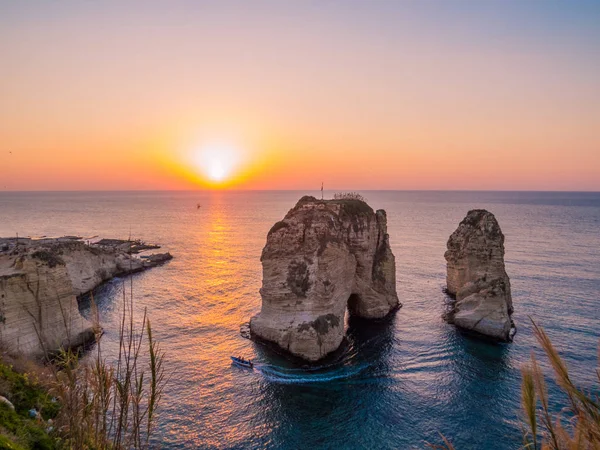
column 104, row 405
column 579, row 428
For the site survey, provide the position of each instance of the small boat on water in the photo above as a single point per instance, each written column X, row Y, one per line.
column 238, row 360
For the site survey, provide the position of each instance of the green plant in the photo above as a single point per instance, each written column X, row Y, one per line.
column 353, row 204
column 349, row 196
column 26, row 392
column 9, row 444
column 17, row 429
column 50, row 257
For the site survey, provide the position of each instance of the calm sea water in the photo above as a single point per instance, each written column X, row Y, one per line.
column 398, row 383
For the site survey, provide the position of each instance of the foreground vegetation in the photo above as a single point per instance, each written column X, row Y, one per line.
column 68, row 403
column 578, row 427
column 18, row 430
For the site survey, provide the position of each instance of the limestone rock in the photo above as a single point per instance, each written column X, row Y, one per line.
column 324, row 257
column 38, row 309
column 476, row 277
column 39, row 285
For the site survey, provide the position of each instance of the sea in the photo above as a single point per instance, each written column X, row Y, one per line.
column 398, row 383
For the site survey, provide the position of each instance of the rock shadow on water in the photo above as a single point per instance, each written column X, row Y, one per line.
column 105, row 296
column 365, row 340
column 479, row 376
column 108, row 296
column 326, row 404
column 486, row 350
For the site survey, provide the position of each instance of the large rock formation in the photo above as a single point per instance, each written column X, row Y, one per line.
column 477, row 279
column 324, row 257
column 39, row 285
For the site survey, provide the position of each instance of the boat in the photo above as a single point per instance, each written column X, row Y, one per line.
column 238, row 360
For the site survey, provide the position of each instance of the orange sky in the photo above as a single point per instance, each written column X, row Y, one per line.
column 447, row 95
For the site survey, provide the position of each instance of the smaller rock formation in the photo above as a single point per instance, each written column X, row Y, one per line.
column 39, row 284
column 477, row 279
column 324, row 258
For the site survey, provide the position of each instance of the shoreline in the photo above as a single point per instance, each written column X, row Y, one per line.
column 42, row 281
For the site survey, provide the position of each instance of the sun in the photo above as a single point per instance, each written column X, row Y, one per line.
column 217, row 161
column 216, row 170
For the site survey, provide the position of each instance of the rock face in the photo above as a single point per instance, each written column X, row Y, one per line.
column 476, row 277
column 324, row 257
column 39, row 285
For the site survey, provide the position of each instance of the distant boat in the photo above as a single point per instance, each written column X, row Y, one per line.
column 242, row 362
column 198, row 206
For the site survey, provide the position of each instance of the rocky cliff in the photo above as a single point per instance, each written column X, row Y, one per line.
column 39, row 284
column 323, row 258
column 477, row 279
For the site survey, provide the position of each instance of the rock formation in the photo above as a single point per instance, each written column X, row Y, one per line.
column 477, row 279
column 324, row 257
column 39, row 284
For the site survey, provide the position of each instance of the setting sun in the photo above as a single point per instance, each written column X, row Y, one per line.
column 217, row 161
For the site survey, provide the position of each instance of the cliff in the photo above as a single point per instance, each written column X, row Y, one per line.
column 323, row 258
column 39, row 285
column 477, row 279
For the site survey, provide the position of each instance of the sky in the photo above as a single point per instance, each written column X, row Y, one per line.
column 492, row 95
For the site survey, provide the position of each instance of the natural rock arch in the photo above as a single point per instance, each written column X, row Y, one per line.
column 324, row 257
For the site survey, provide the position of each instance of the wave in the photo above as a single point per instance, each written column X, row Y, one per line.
column 284, row 375
column 347, row 365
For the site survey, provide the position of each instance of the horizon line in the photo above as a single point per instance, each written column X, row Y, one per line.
column 296, row 190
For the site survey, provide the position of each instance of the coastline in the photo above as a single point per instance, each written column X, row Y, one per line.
column 41, row 281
